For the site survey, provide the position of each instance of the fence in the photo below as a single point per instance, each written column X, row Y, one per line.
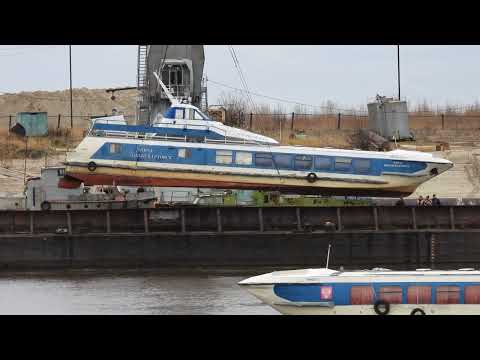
column 58, row 122
column 283, row 126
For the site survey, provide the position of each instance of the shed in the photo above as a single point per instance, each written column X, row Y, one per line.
column 34, row 123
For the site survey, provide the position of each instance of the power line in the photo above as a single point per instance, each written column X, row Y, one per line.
column 4, row 51
column 240, row 73
column 278, row 99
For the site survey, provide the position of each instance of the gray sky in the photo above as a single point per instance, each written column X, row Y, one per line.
column 346, row 75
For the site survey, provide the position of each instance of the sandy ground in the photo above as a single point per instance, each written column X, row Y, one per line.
column 462, row 180
column 12, row 178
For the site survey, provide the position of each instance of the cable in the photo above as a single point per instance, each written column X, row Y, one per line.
column 279, row 99
column 240, row 73
column 21, row 52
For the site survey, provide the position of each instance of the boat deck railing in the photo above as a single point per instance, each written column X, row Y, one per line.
column 165, row 137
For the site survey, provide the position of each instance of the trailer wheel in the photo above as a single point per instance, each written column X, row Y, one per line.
column 381, row 307
column 417, row 311
column 92, row 166
column 312, row 177
column 45, row 206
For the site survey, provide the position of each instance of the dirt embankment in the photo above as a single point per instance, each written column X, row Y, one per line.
column 85, row 102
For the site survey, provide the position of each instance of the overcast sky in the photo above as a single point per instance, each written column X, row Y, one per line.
column 346, row 75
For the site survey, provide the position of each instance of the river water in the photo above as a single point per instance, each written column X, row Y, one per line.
column 130, row 292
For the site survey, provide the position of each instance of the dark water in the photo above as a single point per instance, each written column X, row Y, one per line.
column 126, row 293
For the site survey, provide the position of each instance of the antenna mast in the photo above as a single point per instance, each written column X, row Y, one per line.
column 328, row 256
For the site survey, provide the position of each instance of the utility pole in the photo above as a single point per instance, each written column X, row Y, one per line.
column 71, row 94
column 25, row 161
column 398, row 70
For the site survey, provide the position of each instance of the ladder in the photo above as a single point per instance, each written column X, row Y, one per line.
column 143, row 105
column 204, row 95
column 142, row 67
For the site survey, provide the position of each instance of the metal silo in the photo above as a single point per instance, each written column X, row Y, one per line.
column 389, row 118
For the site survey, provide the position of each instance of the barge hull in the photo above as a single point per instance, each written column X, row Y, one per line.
column 363, row 236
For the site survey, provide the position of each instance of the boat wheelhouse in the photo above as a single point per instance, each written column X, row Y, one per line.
column 381, row 292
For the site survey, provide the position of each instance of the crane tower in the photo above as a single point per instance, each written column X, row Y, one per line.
column 181, row 70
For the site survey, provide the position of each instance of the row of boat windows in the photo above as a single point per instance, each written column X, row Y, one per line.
column 278, row 161
column 364, row 295
column 292, row 162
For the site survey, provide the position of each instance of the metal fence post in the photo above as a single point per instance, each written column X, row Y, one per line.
column 291, row 125
column 251, row 120
column 9, row 123
column 219, row 220
column 443, row 121
column 58, row 121
column 145, row 220
column 339, row 119
column 339, row 220
column 452, row 218
column 260, row 219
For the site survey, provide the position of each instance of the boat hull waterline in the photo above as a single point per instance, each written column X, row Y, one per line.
column 176, row 164
column 175, row 178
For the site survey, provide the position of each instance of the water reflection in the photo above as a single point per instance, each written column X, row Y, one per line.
column 127, row 293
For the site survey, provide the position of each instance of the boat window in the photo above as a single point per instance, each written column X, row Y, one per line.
column 243, row 158
column 264, row 160
column 419, row 295
column 197, row 116
column 472, row 294
column 184, row 153
column 322, row 163
column 115, row 148
column 343, row 164
column 361, row 295
column 189, row 114
column 391, row 294
column 362, row 166
column 179, row 77
column 223, row 157
column 178, row 113
column 448, row 294
column 303, row 162
column 283, row 161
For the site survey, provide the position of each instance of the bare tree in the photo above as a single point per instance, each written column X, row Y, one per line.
column 236, row 108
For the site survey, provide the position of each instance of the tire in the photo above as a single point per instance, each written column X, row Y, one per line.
column 91, row 166
column 45, row 206
column 381, row 307
column 312, row 177
column 417, row 311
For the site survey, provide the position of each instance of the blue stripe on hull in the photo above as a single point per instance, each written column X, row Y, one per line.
column 206, row 156
column 341, row 292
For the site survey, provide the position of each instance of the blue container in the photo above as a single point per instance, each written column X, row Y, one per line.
column 34, row 123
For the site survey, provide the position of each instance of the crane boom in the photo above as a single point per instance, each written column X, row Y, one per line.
column 172, row 99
